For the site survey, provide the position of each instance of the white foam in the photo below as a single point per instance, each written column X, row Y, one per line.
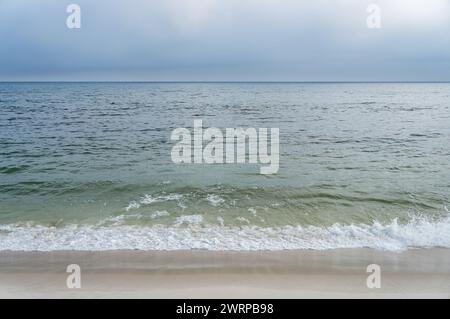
column 149, row 199
column 243, row 220
column 159, row 213
column 189, row 232
column 118, row 220
column 215, row 200
column 189, row 219
column 132, row 205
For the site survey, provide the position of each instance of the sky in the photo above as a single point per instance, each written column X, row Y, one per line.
column 225, row 40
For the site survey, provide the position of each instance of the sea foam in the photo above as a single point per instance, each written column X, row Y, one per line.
column 190, row 233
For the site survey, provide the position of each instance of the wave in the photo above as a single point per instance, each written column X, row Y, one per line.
column 149, row 199
column 189, row 232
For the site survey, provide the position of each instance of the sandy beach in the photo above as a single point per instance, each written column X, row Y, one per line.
column 225, row 150
column 340, row 273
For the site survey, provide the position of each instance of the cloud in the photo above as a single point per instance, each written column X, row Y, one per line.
column 418, row 13
column 225, row 40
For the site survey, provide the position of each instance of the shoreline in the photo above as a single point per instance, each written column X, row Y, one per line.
column 338, row 273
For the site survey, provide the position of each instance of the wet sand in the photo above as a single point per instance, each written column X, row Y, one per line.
column 340, row 273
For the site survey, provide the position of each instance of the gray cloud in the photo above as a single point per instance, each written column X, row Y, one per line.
column 262, row 40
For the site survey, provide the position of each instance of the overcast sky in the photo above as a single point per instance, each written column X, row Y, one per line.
column 225, row 40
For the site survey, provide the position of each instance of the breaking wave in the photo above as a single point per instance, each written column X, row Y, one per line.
column 190, row 232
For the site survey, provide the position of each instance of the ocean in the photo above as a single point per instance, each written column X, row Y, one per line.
column 87, row 166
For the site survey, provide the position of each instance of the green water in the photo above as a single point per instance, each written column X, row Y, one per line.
column 99, row 154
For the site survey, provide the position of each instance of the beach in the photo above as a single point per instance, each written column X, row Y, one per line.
column 252, row 150
column 88, row 166
column 339, row 273
column 88, row 178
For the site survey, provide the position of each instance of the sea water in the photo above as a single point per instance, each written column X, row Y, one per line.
column 87, row 166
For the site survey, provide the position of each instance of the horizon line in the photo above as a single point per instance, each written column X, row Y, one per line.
column 219, row 82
